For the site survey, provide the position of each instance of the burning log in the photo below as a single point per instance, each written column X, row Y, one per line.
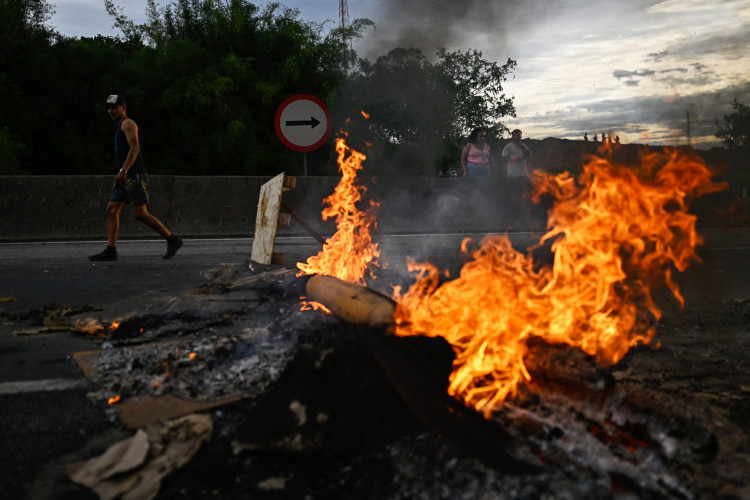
column 561, row 368
column 351, row 302
column 418, row 368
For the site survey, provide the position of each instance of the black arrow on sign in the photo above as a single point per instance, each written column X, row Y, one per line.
column 296, row 123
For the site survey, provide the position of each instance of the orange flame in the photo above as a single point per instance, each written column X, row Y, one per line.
column 311, row 305
column 350, row 252
column 365, row 115
column 114, row 326
column 113, row 400
column 615, row 235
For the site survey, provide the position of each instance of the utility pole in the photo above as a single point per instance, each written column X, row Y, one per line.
column 688, row 128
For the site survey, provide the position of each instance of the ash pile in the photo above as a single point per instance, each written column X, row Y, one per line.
column 296, row 403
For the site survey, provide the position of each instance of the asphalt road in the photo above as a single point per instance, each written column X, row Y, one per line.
column 45, row 415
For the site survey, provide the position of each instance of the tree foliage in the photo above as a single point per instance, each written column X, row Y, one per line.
column 424, row 107
column 734, row 128
column 204, row 78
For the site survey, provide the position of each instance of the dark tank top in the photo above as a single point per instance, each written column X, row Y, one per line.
column 121, row 152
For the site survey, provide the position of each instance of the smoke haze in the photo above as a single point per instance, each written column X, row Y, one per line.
column 453, row 24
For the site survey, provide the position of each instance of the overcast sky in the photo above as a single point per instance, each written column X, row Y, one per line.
column 632, row 68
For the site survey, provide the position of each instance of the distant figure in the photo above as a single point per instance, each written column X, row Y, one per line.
column 475, row 157
column 596, row 138
column 617, row 139
column 586, row 137
column 604, row 138
column 609, row 138
column 130, row 183
column 515, row 155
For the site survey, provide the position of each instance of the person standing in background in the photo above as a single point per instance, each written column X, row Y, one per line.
column 475, row 157
column 515, row 155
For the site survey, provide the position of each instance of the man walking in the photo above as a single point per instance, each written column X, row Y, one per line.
column 130, row 183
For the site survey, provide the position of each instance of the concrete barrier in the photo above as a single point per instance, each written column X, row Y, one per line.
column 73, row 207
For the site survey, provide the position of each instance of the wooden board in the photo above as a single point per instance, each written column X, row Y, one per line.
column 268, row 217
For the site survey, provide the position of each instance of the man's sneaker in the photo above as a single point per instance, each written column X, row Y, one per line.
column 173, row 244
column 107, row 254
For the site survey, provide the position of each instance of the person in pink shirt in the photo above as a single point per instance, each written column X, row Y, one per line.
column 475, row 157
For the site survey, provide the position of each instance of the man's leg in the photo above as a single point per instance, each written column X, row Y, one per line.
column 113, row 228
column 141, row 213
column 113, row 222
column 173, row 242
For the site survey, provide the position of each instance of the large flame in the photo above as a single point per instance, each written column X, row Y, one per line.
column 350, row 253
column 616, row 234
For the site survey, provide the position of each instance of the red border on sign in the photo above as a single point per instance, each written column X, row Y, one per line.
column 287, row 142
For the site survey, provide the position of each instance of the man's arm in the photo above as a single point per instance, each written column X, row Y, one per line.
column 130, row 129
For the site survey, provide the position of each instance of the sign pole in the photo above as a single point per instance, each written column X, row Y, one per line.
column 305, row 162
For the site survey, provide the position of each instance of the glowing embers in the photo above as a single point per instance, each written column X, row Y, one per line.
column 616, row 234
column 350, row 253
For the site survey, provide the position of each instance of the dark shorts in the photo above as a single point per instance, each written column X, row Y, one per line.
column 134, row 191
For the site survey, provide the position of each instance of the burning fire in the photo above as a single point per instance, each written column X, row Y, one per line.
column 616, row 234
column 349, row 254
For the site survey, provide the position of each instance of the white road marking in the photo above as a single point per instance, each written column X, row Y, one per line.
column 53, row 384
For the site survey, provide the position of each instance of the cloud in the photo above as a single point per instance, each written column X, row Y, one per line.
column 657, row 56
column 621, row 73
column 731, row 45
column 700, row 67
column 631, row 76
column 649, row 119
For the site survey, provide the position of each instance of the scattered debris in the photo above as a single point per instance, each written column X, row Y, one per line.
column 133, row 469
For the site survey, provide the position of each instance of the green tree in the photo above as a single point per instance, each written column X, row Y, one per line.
column 203, row 80
column 479, row 97
column 45, row 115
column 213, row 74
column 418, row 110
column 734, row 129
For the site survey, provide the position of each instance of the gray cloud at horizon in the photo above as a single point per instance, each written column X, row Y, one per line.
column 644, row 115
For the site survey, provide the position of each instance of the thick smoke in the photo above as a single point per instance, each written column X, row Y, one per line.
column 430, row 24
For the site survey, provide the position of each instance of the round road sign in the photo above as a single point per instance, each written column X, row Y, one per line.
column 303, row 123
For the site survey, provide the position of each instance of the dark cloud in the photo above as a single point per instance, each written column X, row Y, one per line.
column 632, row 75
column 657, row 56
column 700, row 67
column 698, row 76
column 621, row 73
